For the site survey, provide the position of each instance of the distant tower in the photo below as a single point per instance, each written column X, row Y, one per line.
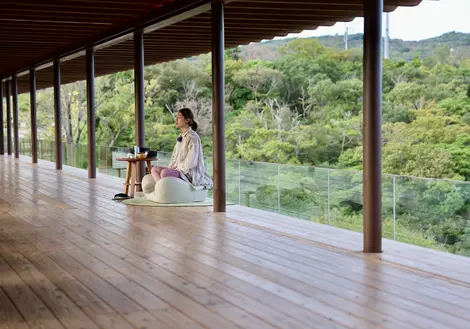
column 387, row 36
column 346, row 37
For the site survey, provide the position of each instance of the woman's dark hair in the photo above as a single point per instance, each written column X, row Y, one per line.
column 188, row 114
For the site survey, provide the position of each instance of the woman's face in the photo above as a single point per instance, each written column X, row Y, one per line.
column 181, row 122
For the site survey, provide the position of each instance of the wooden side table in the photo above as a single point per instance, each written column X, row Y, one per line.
column 131, row 173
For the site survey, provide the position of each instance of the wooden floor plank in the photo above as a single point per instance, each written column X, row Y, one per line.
column 10, row 318
column 128, row 265
column 95, row 308
column 255, row 243
column 330, row 276
column 279, row 305
column 174, row 296
column 193, row 279
column 114, row 248
column 116, row 266
column 36, row 314
column 428, row 259
column 135, row 314
column 191, row 274
column 63, row 308
column 305, row 252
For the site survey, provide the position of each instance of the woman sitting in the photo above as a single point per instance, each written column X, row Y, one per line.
column 187, row 160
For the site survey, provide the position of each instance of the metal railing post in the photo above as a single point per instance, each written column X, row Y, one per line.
column 394, row 209
column 278, row 189
column 329, row 199
column 239, row 183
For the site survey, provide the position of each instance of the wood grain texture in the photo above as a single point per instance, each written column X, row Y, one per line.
column 35, row 32
column 70, row 257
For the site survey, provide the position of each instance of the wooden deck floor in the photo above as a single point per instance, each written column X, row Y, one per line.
column 72, row 258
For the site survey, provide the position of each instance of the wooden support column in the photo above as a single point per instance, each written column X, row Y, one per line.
column 139, row 99
column 9, row 136
column 372, row 116
column 2, row 135
column 34, row 121
column 90, row 92
column 16, row 134
column 218, row 104
column 57, row 116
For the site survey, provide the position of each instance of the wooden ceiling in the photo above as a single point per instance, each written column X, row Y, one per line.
column 33, row 32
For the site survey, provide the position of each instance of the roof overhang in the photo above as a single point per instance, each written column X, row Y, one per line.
column 33, row 35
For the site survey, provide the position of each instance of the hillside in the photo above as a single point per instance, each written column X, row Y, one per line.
column 400, row 49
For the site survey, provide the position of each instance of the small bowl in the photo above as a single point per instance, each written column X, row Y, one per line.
column 141, row 155
column 152, row 154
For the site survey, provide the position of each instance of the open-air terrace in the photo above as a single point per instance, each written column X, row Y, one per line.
column 71, row 257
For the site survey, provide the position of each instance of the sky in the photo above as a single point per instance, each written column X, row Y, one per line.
column 429, row 19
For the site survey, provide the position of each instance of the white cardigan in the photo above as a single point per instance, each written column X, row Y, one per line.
column 188, row 159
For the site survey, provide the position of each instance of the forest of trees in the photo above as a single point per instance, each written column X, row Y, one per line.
column 456, row 42
column 303, row 108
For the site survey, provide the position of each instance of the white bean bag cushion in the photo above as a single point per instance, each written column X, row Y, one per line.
column 171, row 190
